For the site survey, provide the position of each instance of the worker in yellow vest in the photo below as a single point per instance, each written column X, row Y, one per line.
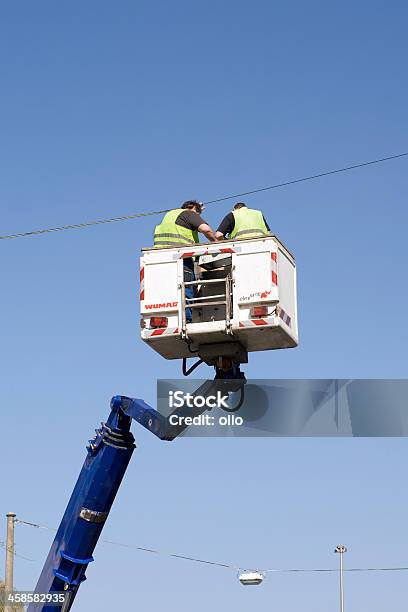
column 243, row 222
column 180, row 227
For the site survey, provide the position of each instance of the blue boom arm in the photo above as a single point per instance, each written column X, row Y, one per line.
column 108, row 455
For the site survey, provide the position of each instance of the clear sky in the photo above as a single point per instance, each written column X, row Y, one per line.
column 114, row 108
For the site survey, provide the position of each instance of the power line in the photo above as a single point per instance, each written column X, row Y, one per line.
column 13, row 552
column 141, row 548
column 83, row 225
column 19, row 521
column 309, row 178
column 350, row 569
column 221, row 199
column 169, row 554
column 230, row 566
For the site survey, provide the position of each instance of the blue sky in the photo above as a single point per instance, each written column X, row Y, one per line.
column 114, row 109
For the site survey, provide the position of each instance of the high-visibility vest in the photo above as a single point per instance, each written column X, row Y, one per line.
column 169, row 234
column 249, row 223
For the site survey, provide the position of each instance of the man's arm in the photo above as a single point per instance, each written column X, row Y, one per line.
column 208, row 232
column 226, row 226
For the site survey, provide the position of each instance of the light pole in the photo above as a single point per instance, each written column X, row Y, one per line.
column 8, row 586
column 341, row 550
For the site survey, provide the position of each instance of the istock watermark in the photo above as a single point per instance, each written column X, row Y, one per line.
column 205, row 420
column 177, row 399
column 285, row 407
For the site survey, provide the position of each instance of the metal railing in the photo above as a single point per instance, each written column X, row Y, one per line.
column 199, row 302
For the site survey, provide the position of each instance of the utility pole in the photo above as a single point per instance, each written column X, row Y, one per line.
column 8, row 585
column 341, row 550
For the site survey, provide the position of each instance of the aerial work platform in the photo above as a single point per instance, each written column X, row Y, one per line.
column 244, row 294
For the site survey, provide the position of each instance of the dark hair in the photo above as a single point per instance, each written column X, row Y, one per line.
column 239, row 205
column 189, row 204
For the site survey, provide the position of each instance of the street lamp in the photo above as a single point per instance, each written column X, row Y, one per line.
column 248, row 577
column 341, row 550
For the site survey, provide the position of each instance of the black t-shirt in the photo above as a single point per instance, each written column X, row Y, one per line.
column 228, row 223
column 189, row 220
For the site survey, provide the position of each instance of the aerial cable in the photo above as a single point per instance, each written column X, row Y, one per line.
column 13, row 552
column 307, row 178
column 214, row 201
column 230, row 566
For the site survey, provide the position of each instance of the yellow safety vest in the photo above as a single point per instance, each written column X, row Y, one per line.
column 169, row 234
column 249, row 223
